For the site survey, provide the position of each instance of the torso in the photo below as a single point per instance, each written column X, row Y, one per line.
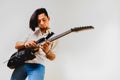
column 40, row 55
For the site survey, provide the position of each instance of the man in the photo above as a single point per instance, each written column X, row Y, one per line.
column 35, row 69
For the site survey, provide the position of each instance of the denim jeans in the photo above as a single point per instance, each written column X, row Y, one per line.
column 30, row 71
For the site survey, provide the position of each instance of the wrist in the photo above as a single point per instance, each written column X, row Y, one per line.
column 24, row 44
column 50, row 55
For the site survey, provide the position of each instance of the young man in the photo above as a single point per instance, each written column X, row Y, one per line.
column 35, row 69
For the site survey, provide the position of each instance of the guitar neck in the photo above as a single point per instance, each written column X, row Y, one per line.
column 60, row 35
column 53, row 38
column 76, row 29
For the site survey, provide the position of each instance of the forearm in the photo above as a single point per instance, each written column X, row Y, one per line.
column 19, row 45
column 46, row 47
column 50, row 55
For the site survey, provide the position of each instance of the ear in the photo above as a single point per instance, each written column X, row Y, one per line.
column 48, row 18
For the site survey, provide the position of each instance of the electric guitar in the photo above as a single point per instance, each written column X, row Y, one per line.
column 19, row 57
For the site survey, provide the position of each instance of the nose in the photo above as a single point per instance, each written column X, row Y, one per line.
column 42, row 22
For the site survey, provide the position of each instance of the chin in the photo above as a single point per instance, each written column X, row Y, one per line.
column 43, row 28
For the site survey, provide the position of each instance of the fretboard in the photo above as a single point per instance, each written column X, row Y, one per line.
column 59, row 36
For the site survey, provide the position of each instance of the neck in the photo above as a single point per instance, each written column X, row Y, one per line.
column 44, row 30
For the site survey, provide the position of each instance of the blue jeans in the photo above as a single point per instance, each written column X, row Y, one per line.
column 30, row 70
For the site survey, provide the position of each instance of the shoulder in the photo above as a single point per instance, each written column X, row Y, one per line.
column 36, row 32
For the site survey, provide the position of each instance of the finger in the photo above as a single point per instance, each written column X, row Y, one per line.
column 33, row 44
column 27, row 45
column 48, row 42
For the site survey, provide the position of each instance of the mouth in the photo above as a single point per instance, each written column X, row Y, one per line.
column 44, row 28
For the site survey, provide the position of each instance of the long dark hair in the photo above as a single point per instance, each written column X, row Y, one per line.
column 33, row 23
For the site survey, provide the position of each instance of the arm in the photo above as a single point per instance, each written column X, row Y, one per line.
column 20, row 45
column 50, row 55
column 46, row 47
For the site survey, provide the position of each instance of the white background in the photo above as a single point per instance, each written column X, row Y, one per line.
column 88, row 55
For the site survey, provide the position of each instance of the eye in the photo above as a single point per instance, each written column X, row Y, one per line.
column 44, row 19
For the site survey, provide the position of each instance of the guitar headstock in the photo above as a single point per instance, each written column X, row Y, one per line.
column 76, row 29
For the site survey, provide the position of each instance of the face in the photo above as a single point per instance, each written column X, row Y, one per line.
column 43, row 21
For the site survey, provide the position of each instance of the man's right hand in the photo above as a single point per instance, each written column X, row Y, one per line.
column 30, row 44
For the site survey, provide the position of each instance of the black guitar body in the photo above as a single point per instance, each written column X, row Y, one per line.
column 19, row 57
